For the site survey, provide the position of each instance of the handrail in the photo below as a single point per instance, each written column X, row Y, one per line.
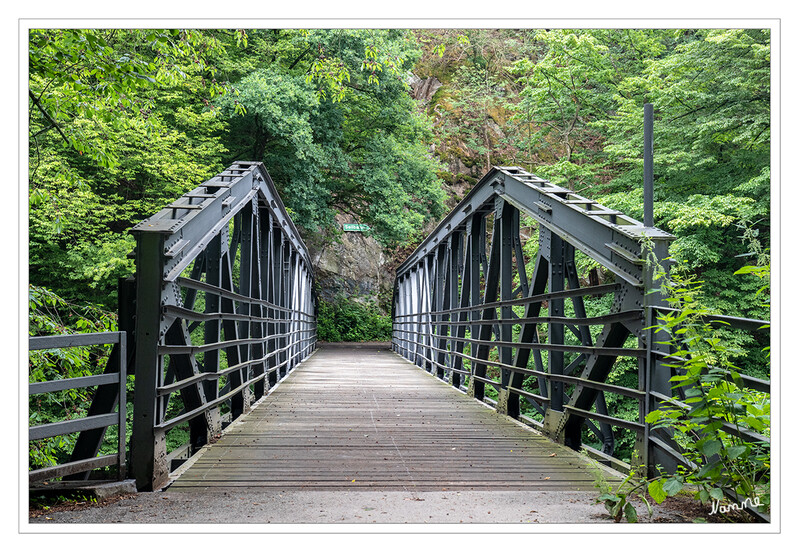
column 90, row 422
column 466, row 310
column 224, row 310
column 460, row 287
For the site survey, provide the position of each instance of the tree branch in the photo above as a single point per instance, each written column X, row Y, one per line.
column 47, row 115
column 302, row 55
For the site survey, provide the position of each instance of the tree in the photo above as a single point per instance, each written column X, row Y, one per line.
column 103, row 77
column 568, row 89
column 120, row 124
column 710, row 89
column 328, row 112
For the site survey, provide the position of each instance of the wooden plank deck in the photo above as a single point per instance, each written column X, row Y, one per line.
column 366, row 419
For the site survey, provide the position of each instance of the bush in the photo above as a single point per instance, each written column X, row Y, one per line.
column 347, row 319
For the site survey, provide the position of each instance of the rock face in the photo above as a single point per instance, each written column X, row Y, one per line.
column 423, row 89
column 355, row 266
column 352, row 267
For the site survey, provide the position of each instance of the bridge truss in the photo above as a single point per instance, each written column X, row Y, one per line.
column 467, row 309
column 224, row 308
column 495, row 301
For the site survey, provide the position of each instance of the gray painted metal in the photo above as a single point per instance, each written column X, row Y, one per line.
column 101, row 414
column 224, row 309
column 566, row 390
column 649, row 176
column 72, row 468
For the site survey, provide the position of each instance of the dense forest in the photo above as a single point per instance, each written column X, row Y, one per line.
column 392, row 127
column 124, row 121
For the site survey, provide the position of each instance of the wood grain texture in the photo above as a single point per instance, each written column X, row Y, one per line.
column 366, row 419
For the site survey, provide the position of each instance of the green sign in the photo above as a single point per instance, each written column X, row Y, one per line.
column 355, row 227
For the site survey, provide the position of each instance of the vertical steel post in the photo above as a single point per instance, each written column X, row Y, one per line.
column 406, row 298
column 557, row 275
column 280, row 282
column 271, row 296
column 454, row 287
column 477, row 245
column 657, row 376
column 423, row 302
column 506, row 212
column 410, row 322
column 122, row 351
column 246, row 262
column 440, row 296
column 148, row 446
column 294, row 291
column 414, row 306
column 394, row 313
column 397, row 310
column 649, row 185
column 489, row 296
column 259, row 258
column 419, row 306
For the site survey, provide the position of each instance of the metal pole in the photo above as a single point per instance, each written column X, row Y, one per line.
column 148, row 445
column 649, row 117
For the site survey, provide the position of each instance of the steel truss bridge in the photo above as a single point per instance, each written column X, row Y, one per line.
column 222, row 310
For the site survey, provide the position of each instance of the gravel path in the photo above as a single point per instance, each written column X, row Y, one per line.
column 327, row 507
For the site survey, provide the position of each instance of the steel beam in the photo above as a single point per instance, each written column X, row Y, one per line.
column 261, row 316
column 487, row 287
column 609, row 237
column 148, row 446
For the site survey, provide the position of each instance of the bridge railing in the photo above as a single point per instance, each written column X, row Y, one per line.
column 224, row 310
column 669, row 363
column 101, row 415
column 561, row 350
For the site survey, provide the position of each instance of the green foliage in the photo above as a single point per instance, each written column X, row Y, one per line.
column 105, row 78
column 713, row 129
column 138, row 103
column 332, row 120
column 582, row 99
column 715, row 399
column 710, row 408
column 46, row 501
column 49, row 315
column 347, row 319
column 618, row 500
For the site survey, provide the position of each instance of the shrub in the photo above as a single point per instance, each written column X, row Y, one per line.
column 349, row 319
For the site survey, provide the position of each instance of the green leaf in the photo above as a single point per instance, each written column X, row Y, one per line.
column 654, row 416
column 706, row 470
column 630, row 513
column 736, row 451
column 672, row 486
column 711, row 448
column 716, row 493
column 656, row 491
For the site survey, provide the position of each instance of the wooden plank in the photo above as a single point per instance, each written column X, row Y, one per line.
column 364, row 418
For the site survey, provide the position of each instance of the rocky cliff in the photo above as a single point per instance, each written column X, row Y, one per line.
column 353, row 265
column 350, row 265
